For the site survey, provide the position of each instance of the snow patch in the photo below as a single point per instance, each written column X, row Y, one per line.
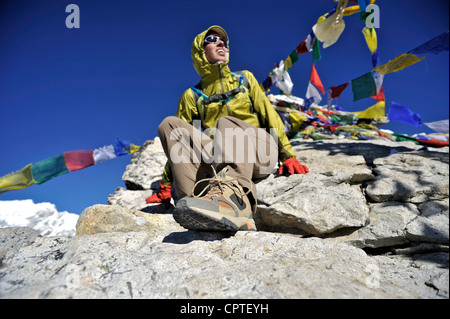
column 43, row 217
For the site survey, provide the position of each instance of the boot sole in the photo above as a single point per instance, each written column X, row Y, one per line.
column 195, row 220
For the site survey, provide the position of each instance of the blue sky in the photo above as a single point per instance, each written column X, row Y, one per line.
column 122, row 72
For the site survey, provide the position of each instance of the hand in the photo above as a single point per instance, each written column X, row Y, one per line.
column 162, row 196
column 292, row 166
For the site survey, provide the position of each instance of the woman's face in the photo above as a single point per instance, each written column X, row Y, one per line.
column 216, row 52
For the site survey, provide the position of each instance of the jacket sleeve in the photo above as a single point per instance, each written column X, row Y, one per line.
column 269, row 118
column 187, row 107
column 187, row 111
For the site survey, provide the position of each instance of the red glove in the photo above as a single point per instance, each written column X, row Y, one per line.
column 162, row 196
column 292, row 166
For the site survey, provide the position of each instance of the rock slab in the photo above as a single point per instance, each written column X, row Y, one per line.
column 370, row 220
column 246, row 265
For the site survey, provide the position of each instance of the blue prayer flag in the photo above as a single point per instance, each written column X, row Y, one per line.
column 435, row 45
column 363, row 5
column 121, row 147
column 267, row 83
column 375, row 59
column 401, row 113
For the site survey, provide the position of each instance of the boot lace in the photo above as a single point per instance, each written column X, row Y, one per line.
column 217, row 184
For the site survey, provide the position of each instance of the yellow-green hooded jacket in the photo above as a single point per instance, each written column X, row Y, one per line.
column 252, row 107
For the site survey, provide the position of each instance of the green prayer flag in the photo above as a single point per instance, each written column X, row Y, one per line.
column 343, row 119
column 49, row 168
column 405, row 138
column 294, row 56
column 363, row 86
column 316, row 51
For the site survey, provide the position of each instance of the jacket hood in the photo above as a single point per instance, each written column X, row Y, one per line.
column 201, row 64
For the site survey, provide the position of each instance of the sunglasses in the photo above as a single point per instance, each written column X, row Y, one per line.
column 215, row 39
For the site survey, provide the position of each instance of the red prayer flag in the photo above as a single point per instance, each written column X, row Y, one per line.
column 336, row 91
column 380, row 96
column 316, row 80
column 76, row 160
column 302, row 48
column 307, row 44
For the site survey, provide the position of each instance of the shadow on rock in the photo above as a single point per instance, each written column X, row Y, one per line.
column 191, row 235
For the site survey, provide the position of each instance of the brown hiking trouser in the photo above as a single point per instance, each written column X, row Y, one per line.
column 250, row 153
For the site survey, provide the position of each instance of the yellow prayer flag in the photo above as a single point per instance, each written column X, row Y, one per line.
column 376, row 111
column 18, row 180
column 354, row 9
column 398, row 63
column 288, row 63
column 371, row 38
column 321, row 19
column 133, row 148
column 351, row 10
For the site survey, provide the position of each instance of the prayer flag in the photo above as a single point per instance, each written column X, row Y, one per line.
column 104, row 153
column 267, row 83
column 376, row 111
column 294, row 56
column 308, row 102
column 76, row 160
column 362, row 8
column 401, row 113
column 336, row 91
column 439, row 126
column 398, row 63
column 375, row 59
column 121, row 147
column 380, row 96
column 363, row 86
column 329, row 30
column 288, row 63
column 283, row 79
column 435, row 45
column 378, row 78
column 371, row 38
column 307, row 44
column 49, row 168
column 315, row 79
column 133, row 148
column 18, row 180
column 363, row 5
column 433, row 142
column 351, row 10
column 316, row 52
column 313, row 93
column 329, row 99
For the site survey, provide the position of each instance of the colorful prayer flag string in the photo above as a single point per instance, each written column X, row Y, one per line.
column 64, row 163
column 328, row 30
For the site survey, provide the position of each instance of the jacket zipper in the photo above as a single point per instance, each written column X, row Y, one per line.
column 223, row 90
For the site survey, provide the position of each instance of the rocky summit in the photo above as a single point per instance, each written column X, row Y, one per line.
column 370, row 220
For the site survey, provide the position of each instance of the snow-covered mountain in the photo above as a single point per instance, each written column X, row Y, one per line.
column 43, row 217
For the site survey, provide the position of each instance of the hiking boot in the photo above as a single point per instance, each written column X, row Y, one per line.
column 225, row 207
